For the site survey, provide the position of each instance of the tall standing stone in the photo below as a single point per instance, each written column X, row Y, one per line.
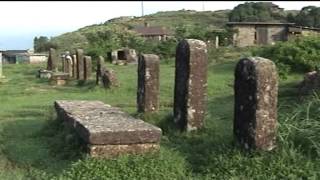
column 256, row 92
column 0, row 64
column 190, row 84
column 100, row 64
column 87, row 67
column 74, row 66
column 52, row 64
column 68, row 66
column 148, row 83
column 80, row 64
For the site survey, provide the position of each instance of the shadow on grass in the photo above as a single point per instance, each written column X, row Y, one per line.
column 38, row 142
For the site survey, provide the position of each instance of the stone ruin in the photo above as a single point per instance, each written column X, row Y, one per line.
column 52, row 64
column 109, row 78
column 80, row 64
column 310, row 83
column 107, row 131
column 190, row 90
column 255, row 108
column 100, row 64
column 148, row 83
column 87, row 67
column 124, row 56
column 1, row 75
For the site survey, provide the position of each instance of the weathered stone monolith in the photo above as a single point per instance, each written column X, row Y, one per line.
column 80, row 64
column 74, row 66
column 109, row 78
column 100, row 64
column 1, row 65
column 68, row 66
column 255, row 109
column 52, row 64
column 190, row 91
column 148, row 83
column 87, row 67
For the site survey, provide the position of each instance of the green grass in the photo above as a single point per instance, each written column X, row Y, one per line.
column 34, row 146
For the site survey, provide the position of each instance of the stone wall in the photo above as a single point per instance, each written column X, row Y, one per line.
column 245, row 36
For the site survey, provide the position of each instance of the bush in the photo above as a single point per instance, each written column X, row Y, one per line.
column 300, row 54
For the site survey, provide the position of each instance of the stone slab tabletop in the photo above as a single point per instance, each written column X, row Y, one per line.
column 99, row 123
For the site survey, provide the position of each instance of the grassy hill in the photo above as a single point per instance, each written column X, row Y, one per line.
column 168, row 19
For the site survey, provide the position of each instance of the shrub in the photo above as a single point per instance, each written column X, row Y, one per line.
column 299, row 54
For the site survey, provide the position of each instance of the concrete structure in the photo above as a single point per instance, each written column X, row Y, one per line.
column 108, row 131
column 263, row 33
column 23, row 56
column 124, row 55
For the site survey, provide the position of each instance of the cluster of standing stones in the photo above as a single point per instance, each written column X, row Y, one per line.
column 110, row 132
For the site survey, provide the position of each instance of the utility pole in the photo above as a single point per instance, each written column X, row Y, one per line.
column 142, row 8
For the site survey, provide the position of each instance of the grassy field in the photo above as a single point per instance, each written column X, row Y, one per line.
column 34, row 146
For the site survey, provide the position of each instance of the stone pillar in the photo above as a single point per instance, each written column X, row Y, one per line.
column 52, row 64
column 109, row 78
column 74, row 66
column 68, row 66
column 190, row 91
column 100, row 64
column 0, row 65
column 255, row 110
column 148, row 83
column 217, row 42
column 87, row 67
column 80, row 64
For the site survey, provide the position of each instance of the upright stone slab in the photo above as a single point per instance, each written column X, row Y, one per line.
column 1, row 65
column 74, row 66
column 255, row 110
column 80, row 64
column 190, row 84
column 68, row 66
column 52, row 64
column 87, row 67
column 109, row 78
column 100, row 64
column 148, row 83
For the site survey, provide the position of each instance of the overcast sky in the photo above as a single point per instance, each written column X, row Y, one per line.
column 21, row 21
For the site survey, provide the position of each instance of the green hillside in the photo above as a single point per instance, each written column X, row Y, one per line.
column 168, row 19
column 188, row 19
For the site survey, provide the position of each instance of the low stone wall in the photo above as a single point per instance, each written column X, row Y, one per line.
column 107, row 130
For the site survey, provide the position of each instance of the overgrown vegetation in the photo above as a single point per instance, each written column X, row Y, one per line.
column 300, row 54
column 34, row 145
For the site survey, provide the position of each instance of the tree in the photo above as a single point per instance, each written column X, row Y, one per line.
column 40, row 44
column 308, row 16
column 256, row 12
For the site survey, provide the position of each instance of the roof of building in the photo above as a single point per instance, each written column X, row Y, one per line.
column 300, row 28
column 152, row 30
column 258, row 23
column 14, row 52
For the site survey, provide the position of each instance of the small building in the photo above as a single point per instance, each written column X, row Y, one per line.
column 22, row 56
column 153, row 32
column 264, row 33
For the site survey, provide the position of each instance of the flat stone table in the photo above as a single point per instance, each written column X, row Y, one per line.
column 107, row 130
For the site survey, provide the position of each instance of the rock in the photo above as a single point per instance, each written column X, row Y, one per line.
column 59, row 79
column 109, row 78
